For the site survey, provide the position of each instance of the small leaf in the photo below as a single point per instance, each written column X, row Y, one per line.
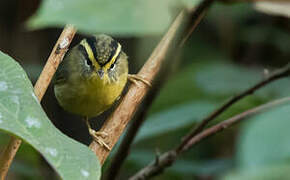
column 265, row 139
column 22, row 115
column 174, row 118
column 274, row 8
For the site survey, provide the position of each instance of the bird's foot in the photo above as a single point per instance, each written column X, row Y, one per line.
column 134, row 78
column 99, row 136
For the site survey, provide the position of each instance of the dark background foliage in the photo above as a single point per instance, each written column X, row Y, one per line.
column 233, row 47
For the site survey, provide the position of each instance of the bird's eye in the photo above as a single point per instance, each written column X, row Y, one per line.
column 89, row 62
column 82, row 49
column 112, row 66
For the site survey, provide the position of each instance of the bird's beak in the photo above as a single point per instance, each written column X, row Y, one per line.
column 101, row 73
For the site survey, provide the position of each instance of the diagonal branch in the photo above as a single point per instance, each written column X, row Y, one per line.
column 116, row 123
column 169, row 157
column 283, row 72
column 233, row 120
column 124, row 149
column 40, row 87
column 195, row 14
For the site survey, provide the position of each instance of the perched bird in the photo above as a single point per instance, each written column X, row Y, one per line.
column 91, row 78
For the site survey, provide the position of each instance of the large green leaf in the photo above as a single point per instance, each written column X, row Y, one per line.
column 223, row 79
column 125, row 17
column 229, row 79
column 174, row 118
column 265, row 139
column 217, row 82
column 22, row 115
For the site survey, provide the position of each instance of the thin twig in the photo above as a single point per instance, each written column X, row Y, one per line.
column 53, row 60
column 7, row 155
column 166, row 159
column 170, row 157
column 116, row 123
column 283, row 72
column 231, row 121
column 40, row 87
column 112, row 171
column 197, row 15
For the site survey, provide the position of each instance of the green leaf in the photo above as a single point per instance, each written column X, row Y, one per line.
column 212, row 82
column 125, row 17
column 170, row 95
column 22, row 115
column 174, row 118
column 229, row 79
column 190, row 3
column 225, row 79
column 265, row 139
column 280, row 172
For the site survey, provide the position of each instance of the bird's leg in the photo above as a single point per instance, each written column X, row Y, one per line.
column 134, row 78
column 97, row 135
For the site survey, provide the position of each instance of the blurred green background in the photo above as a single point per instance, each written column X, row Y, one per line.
column 233, row 47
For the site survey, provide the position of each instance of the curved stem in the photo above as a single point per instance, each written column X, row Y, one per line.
column 283, row 72
column 194, row 136
column 168, row 158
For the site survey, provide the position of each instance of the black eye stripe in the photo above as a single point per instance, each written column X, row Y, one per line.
column 91, row 42
column 114, row 63
column 82, row 49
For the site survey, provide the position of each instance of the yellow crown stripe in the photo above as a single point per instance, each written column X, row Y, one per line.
column 89, row 51
column 118, row 51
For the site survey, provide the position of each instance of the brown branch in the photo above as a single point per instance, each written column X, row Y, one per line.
column 118, row 120
column 166, row 159
column 7, row 156
column 53, row 60
column 40, row 87
column 283, row 72
column 197, row 15
column 170, row 157
column 124, row 148
column 138, row 120
column 231, row 121
column 112, row 171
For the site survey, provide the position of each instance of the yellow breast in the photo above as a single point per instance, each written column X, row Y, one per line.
column 90, row 97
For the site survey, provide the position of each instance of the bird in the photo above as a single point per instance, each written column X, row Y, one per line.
column 91, row 78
